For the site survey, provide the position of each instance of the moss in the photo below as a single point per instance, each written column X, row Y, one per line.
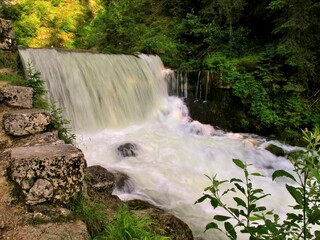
column 278, row 151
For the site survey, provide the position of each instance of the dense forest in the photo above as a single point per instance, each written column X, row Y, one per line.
column 267, row 50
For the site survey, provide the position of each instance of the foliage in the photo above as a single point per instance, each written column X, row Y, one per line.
column 13, row 79
column 34, row 81
column 248, row 213
column 92, row 213
column 267, row 51
column 43, row 23
column 61, row 124
column 127, row 226
column 119, row 28
column 254, row 219
column 8, row 59
column 305, row 191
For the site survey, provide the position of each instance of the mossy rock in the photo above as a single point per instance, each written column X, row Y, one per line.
column 276, row 150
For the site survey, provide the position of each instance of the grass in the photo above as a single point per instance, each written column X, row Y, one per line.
column 124, row 225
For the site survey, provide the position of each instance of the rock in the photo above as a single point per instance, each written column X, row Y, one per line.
column 26, row 122
column 123, row 182
column 137, row 204
column 15, row 96
column 48, row 172
column 100, row 179
column 172, row 226
column 128, row 150
column 39, row 139
column 1, row 97
column 53, row 231
column 7, row 36
column 4, row 144
column 278, row 151
column 41, row 191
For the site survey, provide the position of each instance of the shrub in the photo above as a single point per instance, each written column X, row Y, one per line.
column 254, row 219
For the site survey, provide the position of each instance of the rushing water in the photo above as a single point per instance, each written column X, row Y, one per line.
column 117, row 99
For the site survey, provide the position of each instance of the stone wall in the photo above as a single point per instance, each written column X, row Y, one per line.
column 7, row 36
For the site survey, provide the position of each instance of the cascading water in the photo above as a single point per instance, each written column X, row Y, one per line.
column 98, row 90
column 117, row 99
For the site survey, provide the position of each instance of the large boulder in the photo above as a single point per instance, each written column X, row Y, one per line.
column 16, row 96
column 26, row 122
column 47, row 173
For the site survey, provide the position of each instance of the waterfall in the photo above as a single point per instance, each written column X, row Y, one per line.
column 100, row 90
column 116, row 99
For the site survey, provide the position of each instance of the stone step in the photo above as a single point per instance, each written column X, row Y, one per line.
column 47, row 173
column 17, row 96
column 26, row 122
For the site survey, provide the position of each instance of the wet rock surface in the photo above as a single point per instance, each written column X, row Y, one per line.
column 100, row 179
column 128, row 150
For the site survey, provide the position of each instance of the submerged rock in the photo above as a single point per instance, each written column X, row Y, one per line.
column 128, row 150
column 274, row 149
column 123, row 182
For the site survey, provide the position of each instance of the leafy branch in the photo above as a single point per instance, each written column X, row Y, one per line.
column 249, row 217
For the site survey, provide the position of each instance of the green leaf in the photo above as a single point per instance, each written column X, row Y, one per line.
column 259, row 209
column 257, row 174
column 256, row 217
column 258, row 190
column 230, row 230
column 214, row 202
column 258, row 198
column 235, row 180
column 295, row 194
column 241, row 189
column 314, row 216
column 212, row 225
column 221, row 218
column 239, row 163
column 271, row 226
column 200, row 200
column 315, row 173
column 292, row 216
column 282, row 173
column 235, row 211
column 240, row 202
